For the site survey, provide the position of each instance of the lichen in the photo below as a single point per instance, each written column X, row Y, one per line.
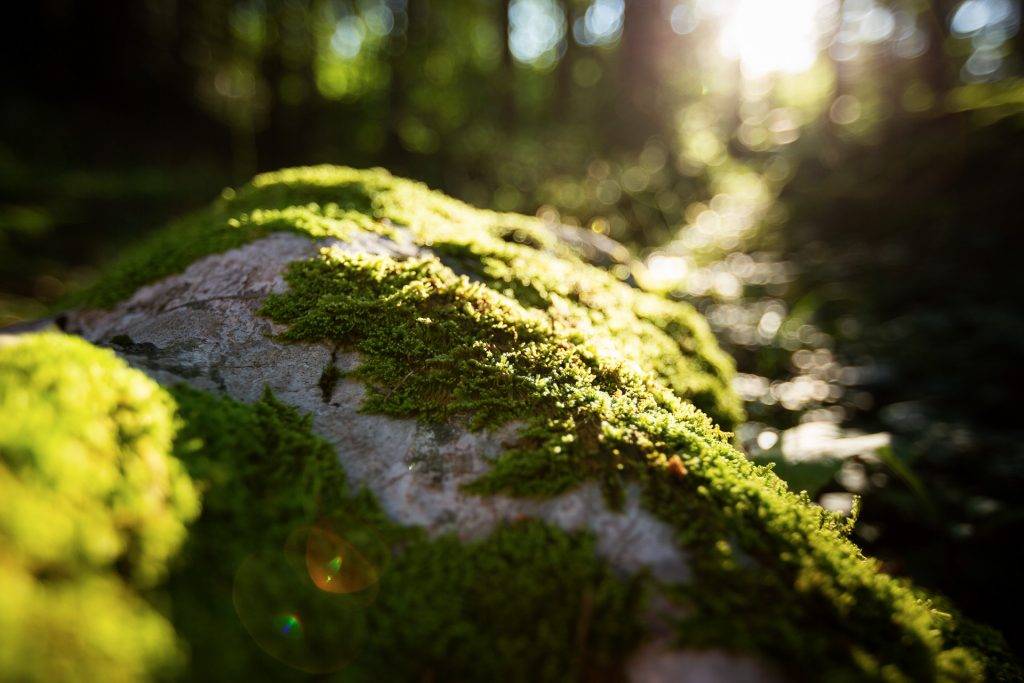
column 528, row 602
column 94, row 506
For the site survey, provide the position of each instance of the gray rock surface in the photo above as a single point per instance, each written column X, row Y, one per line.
column 201, row 326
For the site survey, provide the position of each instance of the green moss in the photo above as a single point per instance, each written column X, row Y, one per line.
column 775, row 574
column 93, row 508
column 589, row 306
column 528, row 602
column 232, row 221
column 94, row 505
column 513, row 254
column 605, row 379
column 262, row 475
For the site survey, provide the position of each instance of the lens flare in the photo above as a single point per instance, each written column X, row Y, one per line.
column 292, row 619
column 305, row 604
column 339, row 555
column 337, row 566
column 288, row 625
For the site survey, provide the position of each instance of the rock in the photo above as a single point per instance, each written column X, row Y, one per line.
column 202, row 327
column 558, row 394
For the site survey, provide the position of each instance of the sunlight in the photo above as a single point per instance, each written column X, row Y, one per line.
column 771, row 37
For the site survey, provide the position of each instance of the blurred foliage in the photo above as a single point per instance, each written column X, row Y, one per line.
column 94, row 507
column 834, row 183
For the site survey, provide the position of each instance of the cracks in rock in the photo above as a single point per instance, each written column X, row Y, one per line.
column 200, row 304
column 329, row 377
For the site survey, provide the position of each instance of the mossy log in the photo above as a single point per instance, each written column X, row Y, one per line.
column 542, row 448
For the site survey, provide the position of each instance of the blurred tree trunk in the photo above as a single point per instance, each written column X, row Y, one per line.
column 402, row 46
column 937, row 67
column 288, row 67
column 562, row 101
column 507, row 73
column 643, row 42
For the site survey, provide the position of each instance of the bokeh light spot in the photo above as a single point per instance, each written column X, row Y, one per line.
column 769, row 37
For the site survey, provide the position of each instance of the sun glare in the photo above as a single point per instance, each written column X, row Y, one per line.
column 770, row 37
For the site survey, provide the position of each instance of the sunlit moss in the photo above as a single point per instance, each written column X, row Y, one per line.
column 775, row 573
column 605, row 379
column 93, row 508
column 513, row 254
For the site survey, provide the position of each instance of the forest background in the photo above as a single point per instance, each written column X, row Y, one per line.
column 835, row 183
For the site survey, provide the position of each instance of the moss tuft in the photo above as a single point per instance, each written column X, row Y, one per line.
column 93, row 509
column 513, row 254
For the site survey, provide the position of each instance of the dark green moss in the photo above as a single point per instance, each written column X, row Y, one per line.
column 527, row 603
column 263, row 474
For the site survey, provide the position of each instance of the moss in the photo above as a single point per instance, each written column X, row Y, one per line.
column 94, row 505
column 605, row 379
column 527, row 602
column 93, row 508
column 262, row 474
column 513, row 254
column 775, row 574
column 590, row 306
column 232, row 221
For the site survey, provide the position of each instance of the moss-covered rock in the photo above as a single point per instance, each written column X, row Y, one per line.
column 69, row 614
column 517, row 256
column 528, row 602
column 471, row 323
column 93, row 508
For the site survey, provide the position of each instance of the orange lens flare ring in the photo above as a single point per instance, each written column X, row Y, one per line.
column 336, row 565
column 305, row 604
